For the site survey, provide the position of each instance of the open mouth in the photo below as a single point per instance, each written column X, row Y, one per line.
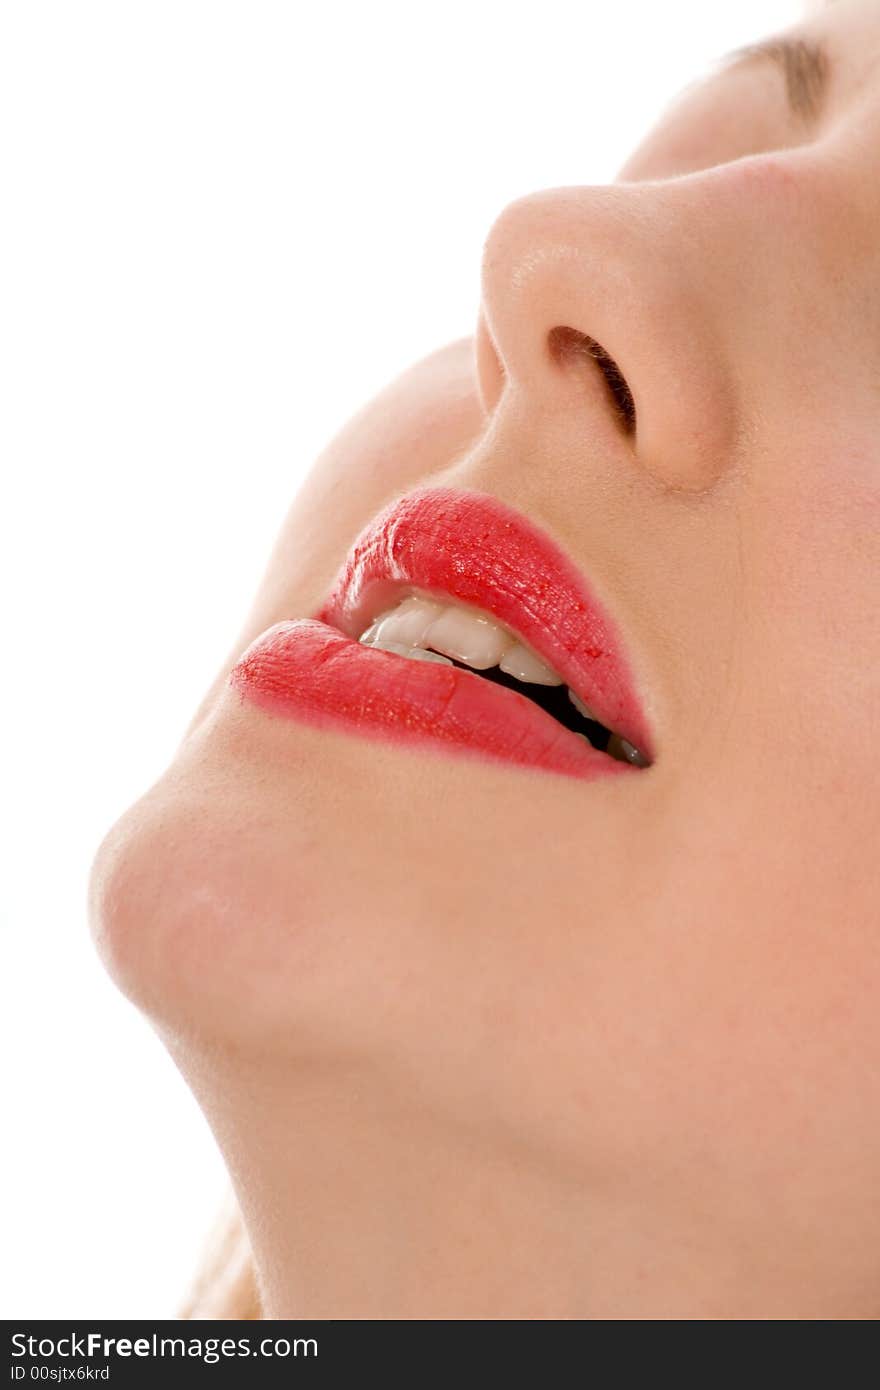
column 456, row 622
column 426, row 626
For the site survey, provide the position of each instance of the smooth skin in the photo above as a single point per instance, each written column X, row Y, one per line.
column 482, row 1041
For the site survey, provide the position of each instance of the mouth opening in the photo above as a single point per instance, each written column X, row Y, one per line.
column 555, row 701
column 423, row 626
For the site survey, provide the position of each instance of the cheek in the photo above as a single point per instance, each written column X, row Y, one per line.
column 810, row 552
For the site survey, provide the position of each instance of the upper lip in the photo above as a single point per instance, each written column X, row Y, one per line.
column 476, row 549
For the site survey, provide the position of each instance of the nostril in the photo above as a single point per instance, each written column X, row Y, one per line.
column 568, row 344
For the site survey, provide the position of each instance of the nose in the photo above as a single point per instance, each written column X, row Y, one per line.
column 597, row 305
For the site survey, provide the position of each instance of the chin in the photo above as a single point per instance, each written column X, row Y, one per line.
column 296, row 896
column 216, row 898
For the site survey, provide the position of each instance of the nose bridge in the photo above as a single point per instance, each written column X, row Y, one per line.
column 621, row 266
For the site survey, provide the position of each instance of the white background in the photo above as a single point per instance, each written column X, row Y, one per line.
column 223, row 227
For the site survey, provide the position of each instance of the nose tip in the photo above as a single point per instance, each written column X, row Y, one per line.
column 590, row 308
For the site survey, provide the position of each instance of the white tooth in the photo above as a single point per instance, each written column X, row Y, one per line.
column 408, row 622
column 418, row 654
column 414, row 653
column 465, row 635
column 581, row 707
column 521, row 662
column 368, row 637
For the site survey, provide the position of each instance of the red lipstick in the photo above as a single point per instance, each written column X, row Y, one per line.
column 469, row 547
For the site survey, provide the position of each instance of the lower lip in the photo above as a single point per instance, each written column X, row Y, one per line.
column 310, row 672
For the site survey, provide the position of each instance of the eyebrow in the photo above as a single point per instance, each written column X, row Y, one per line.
column 805, row 65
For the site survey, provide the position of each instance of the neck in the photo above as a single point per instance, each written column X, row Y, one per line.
column 357, row 1210
column 358, row 1207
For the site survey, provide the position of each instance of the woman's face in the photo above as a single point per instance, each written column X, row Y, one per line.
column 663, row 984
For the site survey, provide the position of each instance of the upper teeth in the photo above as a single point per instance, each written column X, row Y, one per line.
column 466, row 634
column 457, row 631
